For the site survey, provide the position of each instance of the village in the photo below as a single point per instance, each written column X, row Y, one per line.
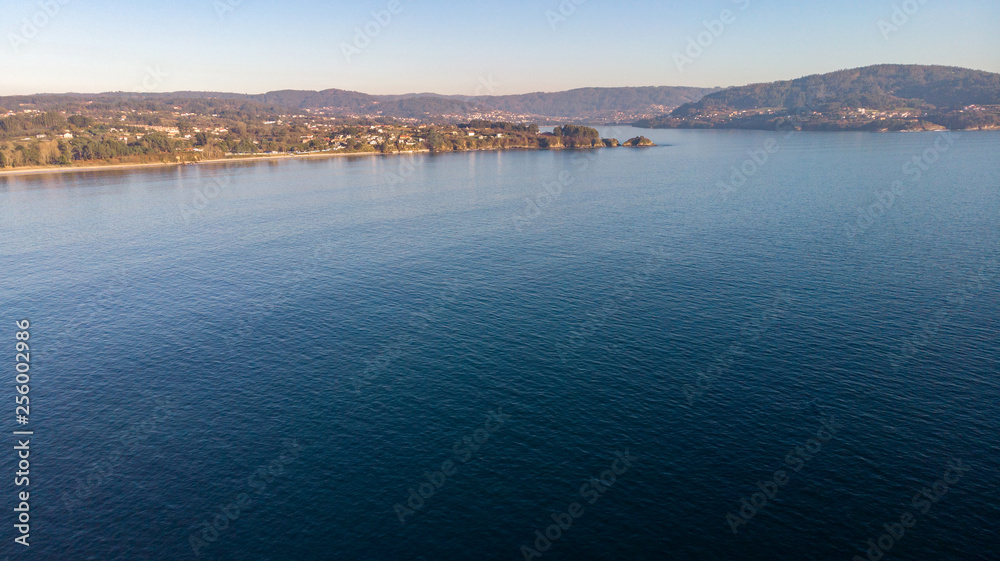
column 30, row 137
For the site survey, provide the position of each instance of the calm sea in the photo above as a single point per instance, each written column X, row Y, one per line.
column 735, row 345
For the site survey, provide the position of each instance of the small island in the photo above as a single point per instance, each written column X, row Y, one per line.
column 639, row 141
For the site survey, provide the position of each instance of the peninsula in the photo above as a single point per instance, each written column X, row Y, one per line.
column 883, row 98
column 35, row 141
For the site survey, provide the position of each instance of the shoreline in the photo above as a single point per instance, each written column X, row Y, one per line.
column 43, row 170
column 271, row 157
column 770, row 129
column 124, row 167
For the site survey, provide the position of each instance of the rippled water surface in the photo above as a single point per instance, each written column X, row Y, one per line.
column 284, row 360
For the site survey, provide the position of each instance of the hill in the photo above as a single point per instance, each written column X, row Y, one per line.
column 599, row 103
column 883, row 97
column 586, row 105
column 594, row 104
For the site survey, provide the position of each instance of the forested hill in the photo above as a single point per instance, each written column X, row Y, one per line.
column 579, row 104
column 889, row 91
column 595, row 101
column 873, row 87
column 593, row 105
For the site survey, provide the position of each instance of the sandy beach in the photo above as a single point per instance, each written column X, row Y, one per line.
column 117, row 167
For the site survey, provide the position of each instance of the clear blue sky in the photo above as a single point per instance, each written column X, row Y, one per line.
column 454, row 47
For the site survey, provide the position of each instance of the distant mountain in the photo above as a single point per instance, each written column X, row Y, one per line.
column 299, row 99
column 595, row 102
column 597, row 105
column 936, row 94
column 579, row 104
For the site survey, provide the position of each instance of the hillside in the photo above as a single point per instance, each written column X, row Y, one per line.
column 595, row 104
column 586, row 105
column 884, row 97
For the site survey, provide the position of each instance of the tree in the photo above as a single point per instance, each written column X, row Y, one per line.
column 32, row 156
column 157, row 142
column 49, row 120
column 435, row 141
column 245, row 147
column 80, row 122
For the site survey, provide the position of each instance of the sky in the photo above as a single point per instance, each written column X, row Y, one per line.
column 473, row 47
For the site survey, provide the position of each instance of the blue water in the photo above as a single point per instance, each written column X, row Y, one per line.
column 345, row 322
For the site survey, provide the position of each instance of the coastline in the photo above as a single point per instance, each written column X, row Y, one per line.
column 121, row 167
column 270, row 157
column 772, row 129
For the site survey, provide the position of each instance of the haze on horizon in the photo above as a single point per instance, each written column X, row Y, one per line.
column 473, row 48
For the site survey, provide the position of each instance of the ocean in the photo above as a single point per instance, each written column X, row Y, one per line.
column 734, row 345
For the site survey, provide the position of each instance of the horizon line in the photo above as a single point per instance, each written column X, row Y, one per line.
column 489, row 95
